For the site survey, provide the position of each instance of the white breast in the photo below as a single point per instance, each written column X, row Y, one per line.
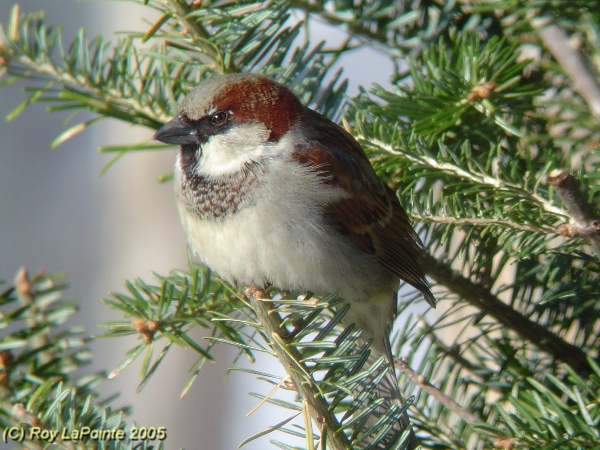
column 282, row 239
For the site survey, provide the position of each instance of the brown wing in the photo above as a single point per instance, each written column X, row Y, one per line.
column 371, row 216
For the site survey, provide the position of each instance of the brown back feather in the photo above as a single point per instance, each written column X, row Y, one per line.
column 371, row 216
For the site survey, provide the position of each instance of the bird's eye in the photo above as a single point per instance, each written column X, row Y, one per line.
column 219, row 118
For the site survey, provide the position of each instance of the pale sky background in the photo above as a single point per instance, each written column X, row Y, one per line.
column 58, row 213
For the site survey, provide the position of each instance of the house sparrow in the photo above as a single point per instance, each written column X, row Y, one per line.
column 270, row 191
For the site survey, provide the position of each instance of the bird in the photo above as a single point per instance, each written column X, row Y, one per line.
column 270, row 192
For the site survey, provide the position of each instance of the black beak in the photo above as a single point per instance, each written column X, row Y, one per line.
column 176, row 132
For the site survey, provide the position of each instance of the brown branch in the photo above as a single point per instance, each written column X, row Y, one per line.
column 574, row 66
column 584, row 221
column 290, row 358
column 425, row 385
column 487, row 302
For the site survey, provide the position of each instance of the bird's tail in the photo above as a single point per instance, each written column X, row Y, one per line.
column 383, row 388
column 380, row 388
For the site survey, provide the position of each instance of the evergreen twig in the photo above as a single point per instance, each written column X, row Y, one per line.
column 291, row 359
column 488, row 303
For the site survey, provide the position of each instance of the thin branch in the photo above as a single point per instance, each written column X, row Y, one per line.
column 425, row 385
column 290, row 358
column 487, row 302
column 584, row 221
column 584, row 82
column 472, row 176
column 483, row 222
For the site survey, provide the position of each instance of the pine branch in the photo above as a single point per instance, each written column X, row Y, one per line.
column 327, row 365
column 38, row 390
column 98, row 96
column 563, row 412
column 484, row 300
column 290, row 359
column 472, row 176
column 483, row 222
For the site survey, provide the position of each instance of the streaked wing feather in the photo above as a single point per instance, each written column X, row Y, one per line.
column 371, row 215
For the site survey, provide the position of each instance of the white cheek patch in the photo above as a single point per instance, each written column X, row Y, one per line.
column 228, row 152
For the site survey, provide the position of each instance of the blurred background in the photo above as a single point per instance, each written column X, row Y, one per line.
column 59, row 214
